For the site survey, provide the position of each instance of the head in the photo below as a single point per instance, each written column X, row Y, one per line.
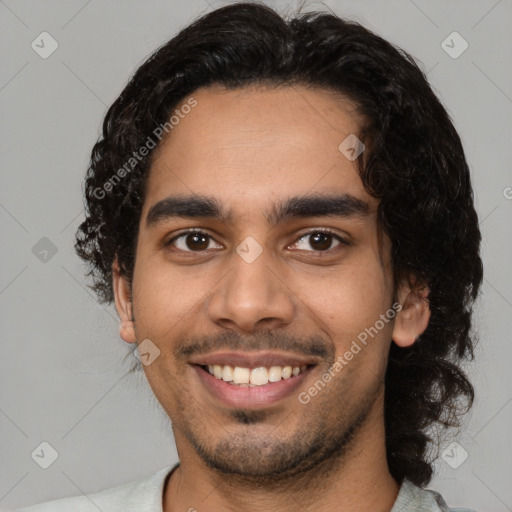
column 237, row 129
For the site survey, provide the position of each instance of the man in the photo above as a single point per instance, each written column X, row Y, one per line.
column 282, row 213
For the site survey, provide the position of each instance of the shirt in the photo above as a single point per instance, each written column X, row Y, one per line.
column 146, row 495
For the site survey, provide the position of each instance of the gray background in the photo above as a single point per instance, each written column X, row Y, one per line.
column 63, row 373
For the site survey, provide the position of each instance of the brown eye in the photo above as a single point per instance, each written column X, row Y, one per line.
column 191, row 241
column 319, row 241
column 196, row 241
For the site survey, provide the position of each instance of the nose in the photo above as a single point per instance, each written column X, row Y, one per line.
column 251, row 296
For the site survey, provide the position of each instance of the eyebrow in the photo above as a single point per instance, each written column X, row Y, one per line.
column 197, row 206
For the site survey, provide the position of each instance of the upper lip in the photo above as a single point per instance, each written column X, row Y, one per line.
column 253, row 359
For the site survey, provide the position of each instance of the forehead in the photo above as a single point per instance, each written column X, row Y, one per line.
column 254, row 145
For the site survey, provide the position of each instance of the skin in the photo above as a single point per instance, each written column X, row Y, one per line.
column 251, row 148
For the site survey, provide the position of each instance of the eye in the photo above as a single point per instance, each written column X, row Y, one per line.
column 320, row 240
column 191, row 241
column 198, row 241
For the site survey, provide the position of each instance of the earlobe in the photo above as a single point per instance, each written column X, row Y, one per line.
column 412, row 320
column 123, row 302
column 127, row 331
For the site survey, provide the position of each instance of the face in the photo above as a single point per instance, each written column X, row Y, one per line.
column 259, row 256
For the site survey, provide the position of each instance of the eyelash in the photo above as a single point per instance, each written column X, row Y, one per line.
column 325, row 231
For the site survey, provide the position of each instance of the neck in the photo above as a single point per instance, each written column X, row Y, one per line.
column 357, row 481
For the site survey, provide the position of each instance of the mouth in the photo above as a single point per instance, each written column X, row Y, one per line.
column 251, row 380
column 259, row 376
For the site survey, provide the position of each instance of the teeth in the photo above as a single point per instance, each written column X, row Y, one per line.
column 286, row 372
column 241, row 375
column 274, row 374
column 259, row 376
column 227, row 373
column 217, row 371
column 253, row 376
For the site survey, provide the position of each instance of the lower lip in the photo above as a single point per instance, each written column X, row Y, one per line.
column 250, row 396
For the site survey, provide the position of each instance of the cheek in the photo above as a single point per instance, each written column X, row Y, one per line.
column 350, row 299
column 348, row 306
column 163, row 297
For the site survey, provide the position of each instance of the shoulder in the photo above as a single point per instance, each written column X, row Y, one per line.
column 144, row 494
column 78, row 504
column 415, row 499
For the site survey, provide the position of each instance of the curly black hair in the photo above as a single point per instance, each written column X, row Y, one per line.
column 414, row 163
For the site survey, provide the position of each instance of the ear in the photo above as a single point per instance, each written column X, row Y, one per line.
column 413, row 318
column 122, row 295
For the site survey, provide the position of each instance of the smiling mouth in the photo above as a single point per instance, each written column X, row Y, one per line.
column 253, row 377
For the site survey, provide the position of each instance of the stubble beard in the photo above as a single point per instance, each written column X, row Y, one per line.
column 269, row 461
